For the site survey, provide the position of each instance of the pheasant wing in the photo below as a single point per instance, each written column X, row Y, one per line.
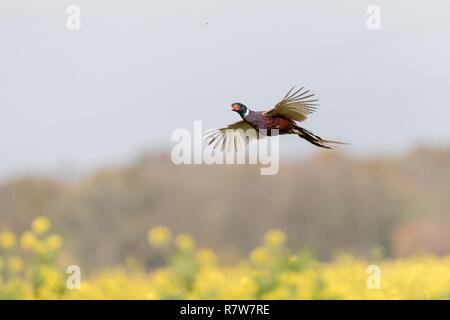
column 296, row 105
column 234, row 136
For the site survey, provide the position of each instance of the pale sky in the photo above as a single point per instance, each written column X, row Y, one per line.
column 137, row 70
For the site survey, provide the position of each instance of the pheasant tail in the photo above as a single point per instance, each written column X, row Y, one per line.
column 314, row 139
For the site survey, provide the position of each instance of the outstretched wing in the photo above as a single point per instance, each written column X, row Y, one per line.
column 234, row 136
column 296, row 105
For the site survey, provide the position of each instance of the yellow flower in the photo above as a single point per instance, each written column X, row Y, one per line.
column 53, row 242
column 151, row 296
column 259, row 256
column 159, row 236
column 205, row 256
column 51, row 277
column 40, row 247
column 40, row 225
column 28, row 240
column 15, row 264
column 275, row 238
column 7, row 239
column 184, row 242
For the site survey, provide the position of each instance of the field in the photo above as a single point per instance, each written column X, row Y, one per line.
column 29, row 269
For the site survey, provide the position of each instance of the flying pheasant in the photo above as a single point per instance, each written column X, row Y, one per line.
column 295, row 106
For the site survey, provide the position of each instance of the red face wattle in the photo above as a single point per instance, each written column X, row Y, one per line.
column 235, row 107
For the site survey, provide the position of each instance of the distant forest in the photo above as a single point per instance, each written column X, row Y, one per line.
column 329, row 203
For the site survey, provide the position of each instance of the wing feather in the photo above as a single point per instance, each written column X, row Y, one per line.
column 231, row 137
column 295, row 105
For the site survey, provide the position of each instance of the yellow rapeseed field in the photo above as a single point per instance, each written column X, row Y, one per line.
column 28, row 270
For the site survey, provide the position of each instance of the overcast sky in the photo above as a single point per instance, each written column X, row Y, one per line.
column 137, row 70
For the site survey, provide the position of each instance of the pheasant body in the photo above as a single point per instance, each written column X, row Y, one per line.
column 259, row 121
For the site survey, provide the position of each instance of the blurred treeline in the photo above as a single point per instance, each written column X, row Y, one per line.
column 329, row 203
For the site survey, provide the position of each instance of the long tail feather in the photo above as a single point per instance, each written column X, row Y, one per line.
column 316, row 140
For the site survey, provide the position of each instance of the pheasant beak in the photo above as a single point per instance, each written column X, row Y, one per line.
column 230, row 108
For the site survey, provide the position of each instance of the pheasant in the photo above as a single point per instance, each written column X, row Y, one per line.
column 296, row 105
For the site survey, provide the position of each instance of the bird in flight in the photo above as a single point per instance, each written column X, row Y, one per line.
column 295, row 106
